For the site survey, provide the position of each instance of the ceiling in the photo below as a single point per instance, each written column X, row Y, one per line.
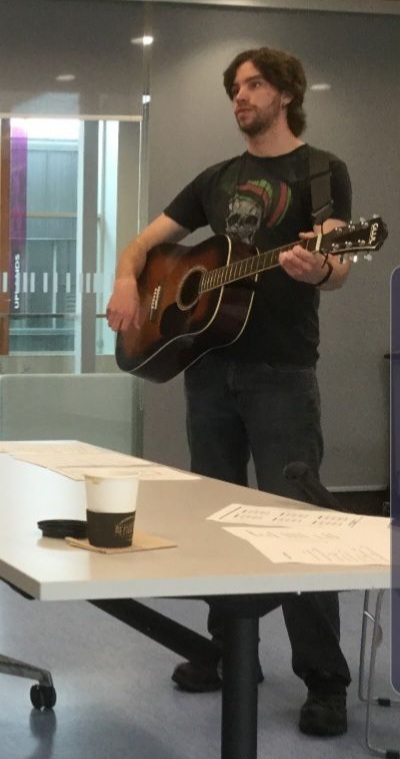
column 341, row 6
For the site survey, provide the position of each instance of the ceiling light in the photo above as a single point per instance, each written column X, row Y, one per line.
column 320, row 87
column 146, row 40
column 65, row 78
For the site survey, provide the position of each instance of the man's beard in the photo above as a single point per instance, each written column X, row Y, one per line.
column 257, row 127
column 262, row 122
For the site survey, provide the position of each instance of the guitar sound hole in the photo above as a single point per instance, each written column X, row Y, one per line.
column 188, row 292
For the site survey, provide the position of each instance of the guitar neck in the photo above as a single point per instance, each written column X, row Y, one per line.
column 248, row 267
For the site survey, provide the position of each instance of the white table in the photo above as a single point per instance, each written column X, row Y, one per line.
column 207, row 561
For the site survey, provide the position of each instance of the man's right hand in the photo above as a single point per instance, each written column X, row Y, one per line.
column 123, row 307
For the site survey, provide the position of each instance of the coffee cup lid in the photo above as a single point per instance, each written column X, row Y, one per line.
column 63, row 528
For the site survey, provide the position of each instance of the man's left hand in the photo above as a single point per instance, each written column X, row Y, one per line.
column 302, row 264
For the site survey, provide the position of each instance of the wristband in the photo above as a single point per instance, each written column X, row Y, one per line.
column 327, row 275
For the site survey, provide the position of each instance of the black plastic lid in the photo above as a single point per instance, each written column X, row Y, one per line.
column 63, row 528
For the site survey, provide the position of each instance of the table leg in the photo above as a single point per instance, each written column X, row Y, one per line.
column 178, row 638
column 240, row 689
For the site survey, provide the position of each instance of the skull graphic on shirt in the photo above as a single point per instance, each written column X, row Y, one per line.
column 244, row 218
column 254, row 203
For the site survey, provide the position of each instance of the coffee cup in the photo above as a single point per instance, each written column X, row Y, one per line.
column 111, row 497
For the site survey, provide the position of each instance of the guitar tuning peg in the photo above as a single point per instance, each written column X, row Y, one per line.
column 354, row 258
column 375, row 216
column 367, row 256
column 362, row 220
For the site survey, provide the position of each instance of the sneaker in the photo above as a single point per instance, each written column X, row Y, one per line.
column 324, row 713
column 201, row 678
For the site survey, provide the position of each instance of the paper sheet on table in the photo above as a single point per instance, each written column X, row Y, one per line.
column 61, row 454
column 275, row 516
column 45, row 446
column 88, row 459
column 72, row 458
column 316, row 545
column 145, row 471
column 66, row 453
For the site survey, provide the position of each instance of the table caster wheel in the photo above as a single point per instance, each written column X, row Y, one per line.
column 43, row 696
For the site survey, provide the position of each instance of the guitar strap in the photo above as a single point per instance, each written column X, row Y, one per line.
column 320, row 183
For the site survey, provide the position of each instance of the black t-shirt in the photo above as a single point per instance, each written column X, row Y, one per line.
column 267, row 202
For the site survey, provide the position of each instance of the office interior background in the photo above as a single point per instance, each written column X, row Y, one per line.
column 99, row 132
column 131, row 124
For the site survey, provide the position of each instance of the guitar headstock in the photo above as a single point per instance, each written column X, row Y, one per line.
column 363, row 236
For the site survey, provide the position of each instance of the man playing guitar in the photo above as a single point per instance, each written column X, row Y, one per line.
column 258, row 395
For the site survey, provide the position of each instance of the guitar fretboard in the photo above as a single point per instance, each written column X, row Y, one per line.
column 248, row 267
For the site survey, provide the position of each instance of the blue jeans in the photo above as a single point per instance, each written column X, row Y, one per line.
column 236, row 410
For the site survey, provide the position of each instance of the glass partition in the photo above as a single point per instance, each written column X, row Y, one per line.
column 73, row 203
column 43, row 235
column 73, row 153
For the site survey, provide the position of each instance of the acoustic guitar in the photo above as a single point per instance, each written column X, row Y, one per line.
column 194, row 299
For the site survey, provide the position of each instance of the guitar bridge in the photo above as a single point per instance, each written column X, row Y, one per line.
column 154, row 303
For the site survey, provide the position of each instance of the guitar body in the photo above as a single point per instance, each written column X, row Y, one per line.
column 194, row 299
column 178, row 324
